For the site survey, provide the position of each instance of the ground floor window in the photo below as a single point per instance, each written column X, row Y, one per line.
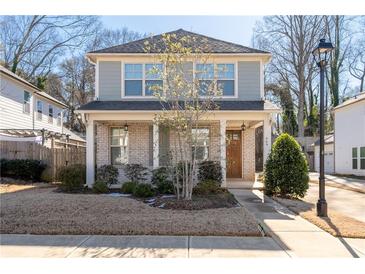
column 362, row 157
column 354, row 158
column 118, row 145
column 201, row 143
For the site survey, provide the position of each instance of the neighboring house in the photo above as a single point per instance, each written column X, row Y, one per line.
column 29, row 114
column 349, row 136
column 119, row 122
column 329, row 158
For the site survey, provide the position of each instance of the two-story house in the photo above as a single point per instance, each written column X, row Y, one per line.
column 29, row 114
column 120, row 127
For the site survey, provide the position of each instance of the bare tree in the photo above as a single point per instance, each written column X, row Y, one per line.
column 33, row 44
column 291, row 40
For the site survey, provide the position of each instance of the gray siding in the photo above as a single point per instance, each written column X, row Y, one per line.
column 110, row 80
column 249, row 80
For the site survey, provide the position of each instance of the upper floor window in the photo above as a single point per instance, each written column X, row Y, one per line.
column 50, row 114
column 59, row 118
column 224, row 73
column 26, row 102
column 39, row 110
column 142, row 80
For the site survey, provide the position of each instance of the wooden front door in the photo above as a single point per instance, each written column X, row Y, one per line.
column 234, row 154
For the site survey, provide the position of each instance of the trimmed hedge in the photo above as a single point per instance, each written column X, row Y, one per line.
column 128, row 187
column 100, row 187
column 22, row 169
column 160, row 179
column 73, row 178
column 143, row 191
column 210, row 170
column 286, row 169
column 207, row 187
column 107, row 174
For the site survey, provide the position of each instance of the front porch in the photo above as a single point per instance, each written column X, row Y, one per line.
column 143, row 142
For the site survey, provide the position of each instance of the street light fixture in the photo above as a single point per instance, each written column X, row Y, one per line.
column 321, row 55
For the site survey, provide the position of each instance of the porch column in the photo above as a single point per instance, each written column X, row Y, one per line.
column 267, row 137
column 222, row 126
column 90, row 153
column 156, row 145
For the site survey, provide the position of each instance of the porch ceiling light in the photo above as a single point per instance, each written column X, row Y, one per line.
column 243, row 127
column 125, row 127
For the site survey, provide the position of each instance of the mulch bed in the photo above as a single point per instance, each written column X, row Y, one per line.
column 45, row 211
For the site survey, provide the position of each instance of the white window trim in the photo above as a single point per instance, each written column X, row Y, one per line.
column 209, row 145
column 235, row 95
column 30, row 99
column 110, row 144
column 357, row 158
column 50, row 106
column 39, row 113
column 361, row 158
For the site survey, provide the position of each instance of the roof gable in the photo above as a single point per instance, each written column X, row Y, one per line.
column 204, row 43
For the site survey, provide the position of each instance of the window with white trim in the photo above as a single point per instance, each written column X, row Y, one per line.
column 118, row 145
column 362, row 157
column 201, row 143
column 225, row 76
column 354, row 158
column 39, row 110
column 50, row 114
column 26, row 101
column 153, row 79
column 205, row 76
column 59, row 117
column 133, row 83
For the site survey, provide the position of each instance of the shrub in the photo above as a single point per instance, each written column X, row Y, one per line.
column 72, row 178
column 135, row 172
column 143, row 190
column 207, row 187
column 22, row 169
column 160, row 179
column 128, row 187
column 210, row 170
column 100, row 187
column 107, row 174
column 286, row 169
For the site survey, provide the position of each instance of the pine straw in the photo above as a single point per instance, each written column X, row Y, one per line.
column 336, row 223
column 44, row 211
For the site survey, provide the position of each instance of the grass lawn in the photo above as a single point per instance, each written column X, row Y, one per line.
column 336, row 223
column 44, row 211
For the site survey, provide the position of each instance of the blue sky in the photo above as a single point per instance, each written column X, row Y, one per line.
column 237, row 29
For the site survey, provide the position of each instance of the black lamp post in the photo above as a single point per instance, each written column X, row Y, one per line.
column 321, row 54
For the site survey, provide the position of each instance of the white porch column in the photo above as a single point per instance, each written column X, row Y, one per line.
column 156, row 145
column 222, row 126
column 90, row 153
column 267, row 137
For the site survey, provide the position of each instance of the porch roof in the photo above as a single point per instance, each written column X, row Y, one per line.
column 139, row 105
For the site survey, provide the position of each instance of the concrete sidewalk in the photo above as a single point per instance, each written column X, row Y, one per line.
column 296, row 236
column 342, row 182
column 73, row 246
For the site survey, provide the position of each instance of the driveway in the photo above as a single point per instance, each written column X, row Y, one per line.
column 347, row 202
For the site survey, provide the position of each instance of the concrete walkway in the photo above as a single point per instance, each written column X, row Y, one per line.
column 298, row 237
column 344, row 182
column 71, row 246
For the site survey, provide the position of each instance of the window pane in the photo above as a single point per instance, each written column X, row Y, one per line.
column 225, row 71
column 153, row 71
column 153, row 86
column 202, row 153
column 354, row 152
column 118, row 155
column 205, row 87
column 50, row 111
column 362, row 164
column 205, row 71
column 362, row 152
column 26, row 97
column 133, row 88
column 226, row 87
column 133, row 71
column 39, row 106
column 354, row 163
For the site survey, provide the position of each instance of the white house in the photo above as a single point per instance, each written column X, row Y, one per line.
column 349, row 136
column 120, row 121
column 29, row 114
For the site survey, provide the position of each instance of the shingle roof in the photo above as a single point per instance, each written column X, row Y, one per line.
column 328, row 139
column 197, row 41
column 357, row 98
column 156, row 105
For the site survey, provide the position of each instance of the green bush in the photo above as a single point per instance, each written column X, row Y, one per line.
column 135, row 172
column 22, row 169
column 160, row 179
column 143, row 190
column 100, row 187
column 72, row 178
column 129, row 187
column 107, row 174
column 207, row 187
column 286, row 169
column 210, row 170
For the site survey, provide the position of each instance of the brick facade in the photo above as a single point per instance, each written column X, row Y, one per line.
column 248, row 157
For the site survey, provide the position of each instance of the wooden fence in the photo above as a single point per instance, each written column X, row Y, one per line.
column 54, row 158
